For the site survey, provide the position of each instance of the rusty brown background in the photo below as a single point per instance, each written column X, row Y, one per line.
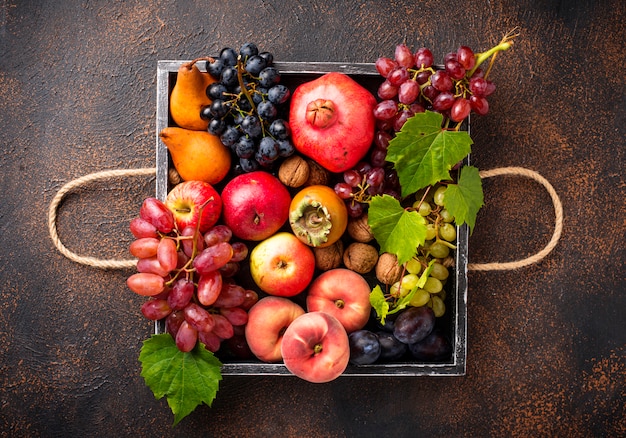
column 546, row 352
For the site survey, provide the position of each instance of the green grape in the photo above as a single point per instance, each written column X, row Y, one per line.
column 441, row 295
column 439, row 271
column 438, row 196
column 395, row 289
column 433, row 285
column 413, row 266
column 431, row 232
column 420, row 298
column 438, row 306
column 439, row 250
column 424, row 208
column 446, row 216
column 447, row 232
column 409, row 281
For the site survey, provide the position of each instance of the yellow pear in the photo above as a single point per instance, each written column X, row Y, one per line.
column 197, row 155
column 188, row 96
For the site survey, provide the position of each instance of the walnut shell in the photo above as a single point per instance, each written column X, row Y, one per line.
column 359, row 229
column 317, row 174
column 360, row 257
column 329, row 257
column 294, row 171
column 388, row 271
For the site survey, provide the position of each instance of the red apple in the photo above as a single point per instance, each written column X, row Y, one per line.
column 332, row 120
column 267, row 321
column 315, row 347
column 282, row 265
column 256, row 205
column 189, row 199
column 342, row 293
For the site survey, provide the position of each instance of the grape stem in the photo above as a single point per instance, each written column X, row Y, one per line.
column 505, row 44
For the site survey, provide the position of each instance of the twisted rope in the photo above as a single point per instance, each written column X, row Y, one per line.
column 558, row 223
column 122, row 264
column 69, row 187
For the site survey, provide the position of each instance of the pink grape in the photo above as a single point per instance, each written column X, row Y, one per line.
column 156, row 212
column 355, row 209
column 401, row 119
column 155, row 309
column 382, row 139
column 343, row 190
column 362, row 167
column 465, row 57
column 144, row 247
column 443, row 101
column 209, row 287
column 152, row 266
column 387, row 91
column 250, row 299
column 231, row 295
column 408, row 92
column 479, row 105
column 352, row 177
column 141, row 228
column 423, row 58
column 199, row 318
column 213, row 257
column 430, row 92
column 455, row 69
column 397, row 76
column 403, row 56
column 167, row 254
column 146, row 284
column 223, row 327
column 378, row 157
column 173, row 322
column 181, row 294
column 376, row 176
column 236, row 315
column 187, row 244
column 230, row 269
column 240, row 251
column 186, row 337
column 441, row 81
column 210, row 340
column 386, row 109
column 217, row 234
column 385, row 65
column 460, row 110
column 423, row 77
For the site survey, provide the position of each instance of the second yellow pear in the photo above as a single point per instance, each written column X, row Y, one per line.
column 189, row 96
column 197, row 155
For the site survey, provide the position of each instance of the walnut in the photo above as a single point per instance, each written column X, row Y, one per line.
column 317, row 174
column 388, row 271
column 360, row 257
column 294, row 171
column 359, row 229
column 329, row 257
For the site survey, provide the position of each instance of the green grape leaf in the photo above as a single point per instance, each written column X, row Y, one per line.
column 186, row 379
column 396, row 230
column 379, row 304
column 423, row 153
column 464, row 199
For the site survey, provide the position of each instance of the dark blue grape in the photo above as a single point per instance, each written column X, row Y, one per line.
column 390, row 348
column 259, row 95
column 216, row 90
column 248, row 165
column 285, row 148
column 254, row 65
column 238, row 118
column 251, row 125
column 248, row 50
column 266, row 110
column 206, row 113
column 268, row 77
column 216, row 126
column 269, row 58
column 218, row 108
column 229, row 56
column 414, row 324
column 215, row 68
column 230, row 136
column 245, row 147
column 268, row 149
column 229, row 77
column 280, row 129
column 278, row 94
column 364, row 347
column 244, row 104
column 435, row 347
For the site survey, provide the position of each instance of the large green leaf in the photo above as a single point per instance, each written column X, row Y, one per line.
column 464, row 200
column 423, row 153
column 186, row 379
column 396, row 230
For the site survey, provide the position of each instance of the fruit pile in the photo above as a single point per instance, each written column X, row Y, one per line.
column 304, row 226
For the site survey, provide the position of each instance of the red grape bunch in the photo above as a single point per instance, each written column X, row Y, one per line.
column 188, row 276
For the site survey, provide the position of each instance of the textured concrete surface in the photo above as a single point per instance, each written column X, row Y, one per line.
column 546, row 353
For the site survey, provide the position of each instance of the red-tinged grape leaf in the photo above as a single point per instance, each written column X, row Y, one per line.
column 423, row 153
column 464, row 199
column 379, row 304
column 396, row 230
column 186, row 379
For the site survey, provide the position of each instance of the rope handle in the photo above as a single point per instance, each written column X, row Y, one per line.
column 122, row 264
